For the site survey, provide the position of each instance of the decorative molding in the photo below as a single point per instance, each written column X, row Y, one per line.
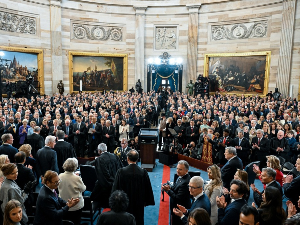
column 12, row 21
column 235, row 31
column 97, row 32
column 166, row 37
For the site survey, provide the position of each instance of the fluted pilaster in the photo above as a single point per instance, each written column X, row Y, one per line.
column 286, row 45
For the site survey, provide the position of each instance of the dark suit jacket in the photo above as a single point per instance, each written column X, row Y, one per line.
column 80, row 138
column 97, row 133
column 36, row 141
column 231, row 214
column 111, row 133
column 202, row 202
column 244, row 152
column 229, row 169
column 38, row 123
column 136, row 128
column 111, row 217
column 51, row 130
column 9, row 150
column 230, row 128
column 49, row 209
column 264, row 148
column 292, row 191
column 283, row 143
column 188, row 133
column 64, row 150
column 71, row 134
column 258, row 197
column 46, row 159
column 24, row 175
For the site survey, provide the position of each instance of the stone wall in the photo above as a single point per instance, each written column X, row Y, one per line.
column 137, row 21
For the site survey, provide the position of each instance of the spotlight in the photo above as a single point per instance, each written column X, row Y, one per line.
column 179, row 60
column 172, row 61
column 150, row 60
column 157, row 61
column 1, row 53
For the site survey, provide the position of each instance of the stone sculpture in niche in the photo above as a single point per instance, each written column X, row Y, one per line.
column 13, row 22
column 165, row 37
column 239, row 31
column 96, row 32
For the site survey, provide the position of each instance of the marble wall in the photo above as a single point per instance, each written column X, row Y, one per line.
column 59, row 24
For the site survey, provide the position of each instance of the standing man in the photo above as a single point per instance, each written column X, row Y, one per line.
column 162, row 129
column 68, row 129
column 279, row 146
column 242, row 147
column 63, row 149
column 138, row 123
column 46, row 158
column 6, row 148
column 79, row 130
column 230, row 168
column 224, row 142
column 108, row 136
column 36, row 141
column 122, row 151
column 106, row 166
column 179, row 192
column 135, row 182
column 260, row 148
column 200, row 200
column 94, row 132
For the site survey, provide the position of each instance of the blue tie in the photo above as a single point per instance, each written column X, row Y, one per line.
column 93, row 133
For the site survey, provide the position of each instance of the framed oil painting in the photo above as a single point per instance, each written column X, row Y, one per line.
column 238, row 73
column 22, row 63
column 97, row 72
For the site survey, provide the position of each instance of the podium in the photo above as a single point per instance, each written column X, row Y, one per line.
column 148, row 139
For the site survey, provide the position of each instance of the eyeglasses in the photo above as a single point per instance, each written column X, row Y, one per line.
column 191, row 187
column 56, row 182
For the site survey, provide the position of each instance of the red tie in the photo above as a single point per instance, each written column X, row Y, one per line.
column 192, row 129
column 224, row 140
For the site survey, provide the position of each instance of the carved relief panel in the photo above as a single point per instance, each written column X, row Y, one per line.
column 165, row 38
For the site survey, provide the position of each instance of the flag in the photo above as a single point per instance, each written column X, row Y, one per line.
column 113, row 67
column 95, row 67
column 89, row 68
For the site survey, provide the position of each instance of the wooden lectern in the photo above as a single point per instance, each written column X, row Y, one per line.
column 148, row 139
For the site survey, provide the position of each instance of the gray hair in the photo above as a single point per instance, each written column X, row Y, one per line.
column 49, row 139
column 36, row 129
column 197, row 180
column 241, row 131
column 231, row 150
column 185, row 163
column 6, row 137
column 60, row 134
column 261, row 131
column 270, row 172
column 70, row 165
column 102, row 147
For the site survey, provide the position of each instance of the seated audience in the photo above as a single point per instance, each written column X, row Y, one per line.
column 200, row 200
column 229, row 214
column 71, row 186
column 214, row 189
column 118, row 203
column 271, row 211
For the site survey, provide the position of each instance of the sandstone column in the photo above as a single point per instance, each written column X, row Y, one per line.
column 286, row 47
column 56, row 43
column 140, row 46
column 192, row 54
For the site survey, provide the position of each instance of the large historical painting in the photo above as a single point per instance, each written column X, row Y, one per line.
column 238, row 73
column 98, row 72
column 21, row 63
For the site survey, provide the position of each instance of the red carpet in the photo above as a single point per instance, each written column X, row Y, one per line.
column 163, row 216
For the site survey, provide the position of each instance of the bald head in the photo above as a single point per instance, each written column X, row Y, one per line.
column 280, row 134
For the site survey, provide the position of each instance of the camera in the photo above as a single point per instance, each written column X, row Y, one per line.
column 168, row 183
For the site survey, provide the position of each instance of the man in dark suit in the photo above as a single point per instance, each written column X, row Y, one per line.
column 63, row 149
column 6, row 148
column 135, row 182
column 229, row 214
column 118, row 215
column 268, row 176
column 242, row 147
column 53, row 129
column 156, row 112
column 80, row 132
column 3, row 123
column 138, row 123
column 128, row 119
column 230, row 168
column 36, row 118
column 122, row 151
column 106, row 166
column 25, row 174
column 46, row 158
column 180, row 130
column 200, row 200
column 224, row 142
column 11, row 128
column 291, row 186
column 279, row 146
column 260, row 148
column 192, row 133
column 36, row 141
column 93, row 136
column 227, row 126
column 179, row 192
column 50, row 208
column 108, row 136
column 68, row 129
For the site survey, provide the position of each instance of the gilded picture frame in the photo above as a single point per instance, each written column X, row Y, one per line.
column 37, row 71
column 95, row 72
column 238, row 73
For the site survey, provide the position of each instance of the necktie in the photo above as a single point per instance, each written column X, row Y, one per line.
column 67, row 130
column 258, row 141
column 192, row 128
column 193, row 201
column 78, row 126
column 240, row 141
column 224, row 140
column 178, row 180
column 93, row 133
column 55, row 194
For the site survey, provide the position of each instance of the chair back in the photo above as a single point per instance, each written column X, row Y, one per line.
column 89, row 177
column 251, row 174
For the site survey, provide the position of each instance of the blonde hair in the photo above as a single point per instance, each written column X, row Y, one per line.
column 26, row 148
column 216, row 180
column 274, row 162
column 3, row 159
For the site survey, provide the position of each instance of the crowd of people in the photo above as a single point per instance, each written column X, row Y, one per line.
column 42, row 137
